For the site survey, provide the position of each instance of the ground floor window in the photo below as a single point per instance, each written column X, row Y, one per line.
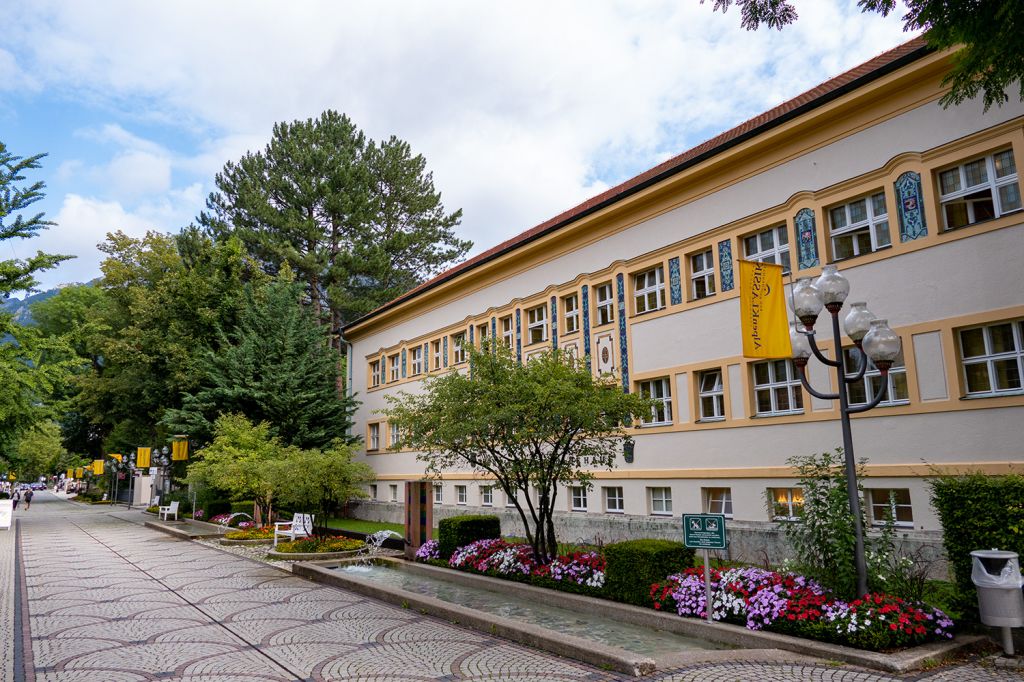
column 894, row 503
column 614, row 503
column 438, row 493
column 487, row 496
column 578, row 498
column 786, row 502
column 394, row 492
column 718, row 501
column 661, row 500
column 460, row 494
column 373, row 491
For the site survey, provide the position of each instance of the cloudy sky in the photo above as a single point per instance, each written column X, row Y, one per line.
column 522, row 110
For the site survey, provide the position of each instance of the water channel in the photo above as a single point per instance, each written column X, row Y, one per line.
column 606, row 630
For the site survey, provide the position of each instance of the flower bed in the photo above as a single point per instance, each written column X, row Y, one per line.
column 752, row 597
column 795, row 605
column 264, row 533
column 237, row 520
column 577, row 572
column 317, row 545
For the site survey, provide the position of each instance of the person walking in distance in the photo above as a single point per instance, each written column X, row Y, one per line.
column 28, row 499
column 15, row 498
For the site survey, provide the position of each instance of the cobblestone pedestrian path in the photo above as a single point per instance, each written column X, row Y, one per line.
column 112, row 601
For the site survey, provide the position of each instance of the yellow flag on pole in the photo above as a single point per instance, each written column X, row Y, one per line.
column 142, row 456
column 118, row 457
column 71, row 473
column 79, row 472
column 179, row 450
column 763, row 320
column 97, row 467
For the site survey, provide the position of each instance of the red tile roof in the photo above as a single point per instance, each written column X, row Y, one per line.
column 813, row 98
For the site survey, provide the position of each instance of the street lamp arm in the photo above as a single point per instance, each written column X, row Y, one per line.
column 801, row 370
column 861, row 368
column 879, row 397
column 817, row 353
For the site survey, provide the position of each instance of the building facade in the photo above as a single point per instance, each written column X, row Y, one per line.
column 919, row 206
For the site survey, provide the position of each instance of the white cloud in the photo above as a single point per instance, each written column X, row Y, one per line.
column 521, row 109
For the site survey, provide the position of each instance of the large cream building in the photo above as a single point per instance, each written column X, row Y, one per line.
column 919, row 206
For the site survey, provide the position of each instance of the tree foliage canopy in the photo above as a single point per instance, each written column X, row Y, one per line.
column 359, row 222
column 992, row 56
column 531, row 426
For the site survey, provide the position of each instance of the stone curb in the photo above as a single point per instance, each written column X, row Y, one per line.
column 228, row 543
column 723, row 633
column 311, row 556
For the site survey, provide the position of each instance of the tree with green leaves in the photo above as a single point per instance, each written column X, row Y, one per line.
column 988, row 32
column 18, row 274
column 275, row 366
column 531, row 426
column 357, row 221
column 320, row 481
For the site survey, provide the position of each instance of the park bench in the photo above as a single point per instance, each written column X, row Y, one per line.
column 172, row 508
column 301, row 526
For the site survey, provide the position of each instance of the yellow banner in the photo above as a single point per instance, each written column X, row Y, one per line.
column 763, row 321
column 97, row 467
column 179, row 450
column 79, row 472
column 71, row 473
column 119, row 458
column 142, row 456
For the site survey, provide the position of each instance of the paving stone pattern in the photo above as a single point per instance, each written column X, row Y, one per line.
column 112, row 601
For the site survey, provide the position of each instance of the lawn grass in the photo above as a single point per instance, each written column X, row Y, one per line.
column 360, row 526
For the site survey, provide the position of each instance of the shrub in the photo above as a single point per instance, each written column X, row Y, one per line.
column 319, row 544
column 155, row 509
column 216, row 507
column 634, row 565
column 978, row 512
column 459, row 531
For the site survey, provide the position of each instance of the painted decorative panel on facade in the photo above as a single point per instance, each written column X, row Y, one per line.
column 675, row 286
column 623, row 349
column 725, row 263
column 403, row 364
column 908, row 196
column 444, row 351
column 426, row 357
column 807, row 238
column 494, row 334
column 585, row 298
column 519, row 335
column 605, row 354
column 554, row 322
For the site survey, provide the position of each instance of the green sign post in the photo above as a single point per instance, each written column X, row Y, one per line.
column 704, row 532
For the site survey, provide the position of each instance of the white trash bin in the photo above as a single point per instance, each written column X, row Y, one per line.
column 996, row 575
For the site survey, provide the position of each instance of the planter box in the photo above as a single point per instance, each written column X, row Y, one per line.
column 263, row 541
column 312, row 556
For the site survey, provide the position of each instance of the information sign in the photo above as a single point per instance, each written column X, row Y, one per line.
column 6, row 513
column 704, row 531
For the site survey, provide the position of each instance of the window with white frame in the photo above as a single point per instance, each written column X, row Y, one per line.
column 718, row 501
column 769, row 246
column 577, row 498
column 890, row 503
column 510, row 500
column 787, row 503
column 614, row 502
column 394, row 492
column 859, row 227
column 373, row 491
column 508, row 332
column 537, row 324
column 660, row 391
column 979, row 190
column 487, row 496
column 416, row 360
column 438, row 493
column 392, row 435
column 374, row 438
column 702, row 275
column 375, row 373
column 605, row 303
column 435, row 354
column 862, row 391
column 649, row 290
column 459, row 347
column 481, row 334
column 661, row 500
column 571, row 308
column 993, row 358
column 777, row 388
column 711, row 395
column 461, row 495
column 393, row 366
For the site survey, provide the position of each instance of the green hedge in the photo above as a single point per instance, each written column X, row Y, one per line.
column 635, row 565
column 978, row 512
column 216, row 508
column 459, row 531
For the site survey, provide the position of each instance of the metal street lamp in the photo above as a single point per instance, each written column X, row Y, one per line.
column 114, row 466
column 131, row 479
column 874, row 339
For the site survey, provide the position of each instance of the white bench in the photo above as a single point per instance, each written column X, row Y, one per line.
column 301, row 526
column 172, row 508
